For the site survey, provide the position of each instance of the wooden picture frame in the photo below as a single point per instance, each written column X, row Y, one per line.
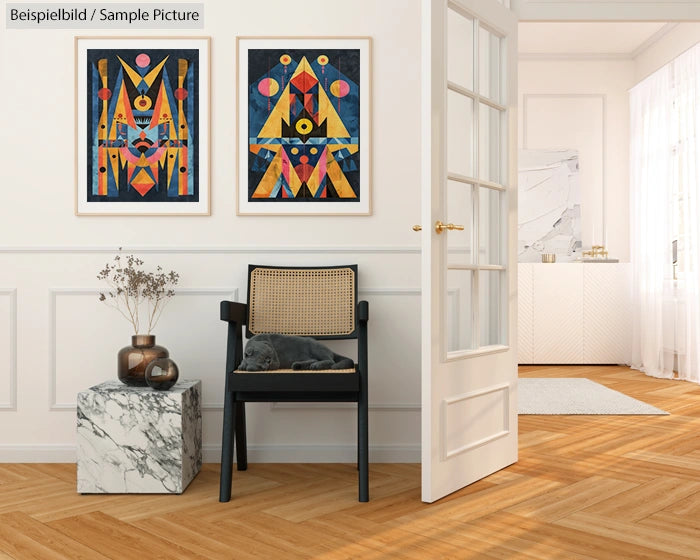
column 303, row 126
column 142, row 135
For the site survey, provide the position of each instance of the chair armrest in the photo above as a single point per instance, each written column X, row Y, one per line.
column 363, row 311
column 234, row 312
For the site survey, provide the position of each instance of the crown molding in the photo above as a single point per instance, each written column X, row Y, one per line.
column 575, row 56
column 653, row 39
column 606, row 10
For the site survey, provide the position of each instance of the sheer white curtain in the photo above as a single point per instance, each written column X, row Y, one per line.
column 686, row 69
column 665, row 205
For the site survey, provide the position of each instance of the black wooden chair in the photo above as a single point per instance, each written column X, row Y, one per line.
column 320, row 302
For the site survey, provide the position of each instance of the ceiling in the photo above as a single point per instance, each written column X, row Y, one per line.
column 590, row 38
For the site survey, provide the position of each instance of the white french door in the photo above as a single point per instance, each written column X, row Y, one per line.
column 469, row 174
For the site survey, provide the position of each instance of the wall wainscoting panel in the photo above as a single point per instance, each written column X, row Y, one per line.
column 211, row 453
column 8, row 349
column 79, row 357
column 75, row 339
column 214, row 250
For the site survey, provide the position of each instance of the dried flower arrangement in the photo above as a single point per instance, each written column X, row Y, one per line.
column 131, row 287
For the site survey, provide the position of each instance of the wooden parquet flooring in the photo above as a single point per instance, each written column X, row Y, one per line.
column 585, row 488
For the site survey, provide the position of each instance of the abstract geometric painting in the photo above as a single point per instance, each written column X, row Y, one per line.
column 549, row 205
column 306, row 126
column 141, row 123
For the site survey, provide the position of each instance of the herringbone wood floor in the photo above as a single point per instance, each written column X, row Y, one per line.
column 585, row 487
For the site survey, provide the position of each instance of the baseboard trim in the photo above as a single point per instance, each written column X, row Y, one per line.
column 256, row 453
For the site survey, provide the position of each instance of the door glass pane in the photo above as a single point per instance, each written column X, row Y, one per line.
column 460, row 210
column 459, row 310
column 489, row 143
column 489, row 65
column 490, row 244
column 460, row 134
column 490, row 307
column 460, row 49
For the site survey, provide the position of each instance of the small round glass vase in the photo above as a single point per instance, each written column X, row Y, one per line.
column 133, row 360
column 161, row 374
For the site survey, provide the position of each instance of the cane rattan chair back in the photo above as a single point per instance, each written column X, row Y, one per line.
column 317, row 302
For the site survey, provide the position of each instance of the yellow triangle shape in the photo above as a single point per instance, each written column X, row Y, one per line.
column 340, row 183
column 148, row 78
column 133, row 74
column 280, row 112
column 269, row 180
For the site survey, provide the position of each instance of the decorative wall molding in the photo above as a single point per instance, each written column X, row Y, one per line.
column 11, row 405
column 625, row 56
column 574, row 56
column 653, row 39
column 607, row 10
column 378, row 407
column 603, row 141
column 211, row 453
column 54, row 293
column 229, row 292
column 216, row 250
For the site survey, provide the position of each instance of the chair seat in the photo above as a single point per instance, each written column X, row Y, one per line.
column 273, row 371
column 295, row 381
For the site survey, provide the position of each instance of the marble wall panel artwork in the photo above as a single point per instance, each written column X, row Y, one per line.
column 549, row 205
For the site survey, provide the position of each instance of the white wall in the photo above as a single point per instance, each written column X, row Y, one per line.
column 56, row 339
column 583, row 104
column 677, row 41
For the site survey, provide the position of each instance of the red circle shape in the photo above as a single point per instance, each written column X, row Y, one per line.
column 180, row 93
column 104, row 93
column 304, row 159
column 143, row 102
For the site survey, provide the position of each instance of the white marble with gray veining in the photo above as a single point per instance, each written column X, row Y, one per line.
column 138, row 440
column 549, row 205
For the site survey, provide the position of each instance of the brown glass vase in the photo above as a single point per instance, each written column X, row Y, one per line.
column 133, row 360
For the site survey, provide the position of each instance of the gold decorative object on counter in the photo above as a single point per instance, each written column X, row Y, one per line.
column 549, row 257
column 597, row 252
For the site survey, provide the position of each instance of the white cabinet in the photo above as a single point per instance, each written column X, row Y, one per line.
column 574, row 313
column 525, row 314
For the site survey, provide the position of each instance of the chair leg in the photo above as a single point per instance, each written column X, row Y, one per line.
column 358, row 436
column 227, row 448
column 241, row 445
column 363, row 445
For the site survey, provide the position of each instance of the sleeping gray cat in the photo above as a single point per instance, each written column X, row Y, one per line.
column 277, row 351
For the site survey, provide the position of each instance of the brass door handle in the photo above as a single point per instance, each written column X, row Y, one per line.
column 440, row 227
column 417, row 228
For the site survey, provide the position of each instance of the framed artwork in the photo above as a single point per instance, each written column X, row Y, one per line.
column 142, row 114
column 304, row 116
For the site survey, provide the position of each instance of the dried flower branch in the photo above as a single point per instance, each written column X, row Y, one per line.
column 130, row 287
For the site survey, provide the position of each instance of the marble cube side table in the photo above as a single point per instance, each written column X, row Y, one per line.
column 138, row 440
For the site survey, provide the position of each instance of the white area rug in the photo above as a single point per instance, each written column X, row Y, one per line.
column 575, row 396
